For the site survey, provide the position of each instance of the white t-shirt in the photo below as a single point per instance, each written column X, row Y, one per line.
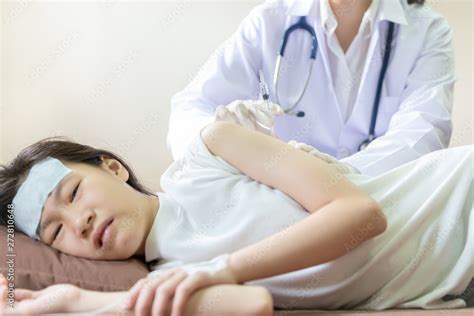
column 210, row 208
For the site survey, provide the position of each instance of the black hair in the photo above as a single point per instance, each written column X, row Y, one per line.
column 14, row 173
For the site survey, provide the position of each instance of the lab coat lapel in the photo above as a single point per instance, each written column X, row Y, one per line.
column 373, row 61
column 362, row 110
column 323, row 53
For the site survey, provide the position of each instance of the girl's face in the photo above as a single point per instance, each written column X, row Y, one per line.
column 86, row 199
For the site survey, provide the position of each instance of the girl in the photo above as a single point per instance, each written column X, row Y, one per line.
column 242, row 207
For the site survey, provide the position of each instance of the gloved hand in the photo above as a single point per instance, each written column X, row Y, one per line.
column 250, row 114
column 342, row 167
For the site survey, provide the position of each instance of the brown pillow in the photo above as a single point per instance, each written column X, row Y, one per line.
column 37, row 266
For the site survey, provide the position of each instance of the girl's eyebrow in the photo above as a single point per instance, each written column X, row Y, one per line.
column 57, row 192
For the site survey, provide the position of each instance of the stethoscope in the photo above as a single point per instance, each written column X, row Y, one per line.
column 303, row 24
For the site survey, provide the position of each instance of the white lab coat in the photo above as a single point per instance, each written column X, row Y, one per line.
column 415, row 109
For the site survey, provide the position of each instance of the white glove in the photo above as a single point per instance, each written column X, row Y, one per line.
column 251, row 114
column 342, row 167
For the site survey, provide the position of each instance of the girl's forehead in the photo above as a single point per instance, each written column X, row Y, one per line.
column 78, row 167
column 71, row 164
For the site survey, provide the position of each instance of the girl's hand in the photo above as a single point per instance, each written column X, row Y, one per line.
column 53, row 299
column 168, row 291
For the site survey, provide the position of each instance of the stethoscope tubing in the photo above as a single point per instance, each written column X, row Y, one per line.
column 303, row 24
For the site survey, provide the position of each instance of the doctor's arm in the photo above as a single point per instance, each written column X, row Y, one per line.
column 339, row 209
column 231, row 73
column 422, row 123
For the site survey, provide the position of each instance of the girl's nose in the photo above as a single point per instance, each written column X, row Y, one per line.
column 84, row 224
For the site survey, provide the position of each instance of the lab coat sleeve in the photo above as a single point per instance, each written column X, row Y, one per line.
column 231, row 73
column 422, row 123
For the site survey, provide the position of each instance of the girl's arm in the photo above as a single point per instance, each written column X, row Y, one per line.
column 340, row 210
column 94, row 301
column 222, row 299
column 216, row 300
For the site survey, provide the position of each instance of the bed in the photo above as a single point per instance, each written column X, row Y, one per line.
column 406, row 312
column 38, row 266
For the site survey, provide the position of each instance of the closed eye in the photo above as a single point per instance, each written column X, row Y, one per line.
column 57, row 232
column 74, row 192
column 73, row 196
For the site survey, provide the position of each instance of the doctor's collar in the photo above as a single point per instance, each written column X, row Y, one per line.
column 328, row 19
column 302, row 8
column 393, row 11
column 390, row 10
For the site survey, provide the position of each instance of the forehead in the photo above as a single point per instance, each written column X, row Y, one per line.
column 54, row 199
column 55, row 195
column 77, row 168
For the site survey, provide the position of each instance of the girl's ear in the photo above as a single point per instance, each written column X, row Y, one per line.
column 114, row 167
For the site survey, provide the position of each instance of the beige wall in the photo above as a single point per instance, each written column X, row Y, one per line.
column 459, row 14
column 1, row 85
column 103, row 72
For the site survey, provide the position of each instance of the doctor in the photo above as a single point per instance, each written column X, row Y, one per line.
column 372, row 108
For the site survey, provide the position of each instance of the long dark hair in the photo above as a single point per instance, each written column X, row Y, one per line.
column 13, row 174
column 416, row 1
